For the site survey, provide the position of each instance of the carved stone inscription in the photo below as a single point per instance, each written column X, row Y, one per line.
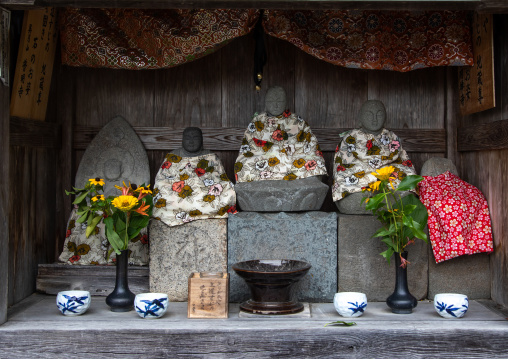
column 176, row 252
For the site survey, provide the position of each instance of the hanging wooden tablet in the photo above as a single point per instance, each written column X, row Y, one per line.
column 32, row 78
column 476, row 83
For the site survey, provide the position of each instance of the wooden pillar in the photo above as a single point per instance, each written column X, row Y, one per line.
column 451, row 116
column 4, row 201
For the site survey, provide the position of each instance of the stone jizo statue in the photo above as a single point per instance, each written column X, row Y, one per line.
column 192, row 143
column 192, row 184
column 363, row 151
column 280, row 165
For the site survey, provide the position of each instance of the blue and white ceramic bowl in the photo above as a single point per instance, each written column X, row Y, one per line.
column 73, row 302
column 151, row 305
column 350, row 304
column 451, row 305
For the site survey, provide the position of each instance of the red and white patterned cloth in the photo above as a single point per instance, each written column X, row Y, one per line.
column 459, row 220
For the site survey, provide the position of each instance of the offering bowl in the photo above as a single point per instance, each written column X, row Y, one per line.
column 73, row 302
column 151, row 305
column 451, row 305
column 350, row 304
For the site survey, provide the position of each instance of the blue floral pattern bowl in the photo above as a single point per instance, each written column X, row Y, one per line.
column 151, row 305
column 73, row 302
column 451, row 305
column 350, row 304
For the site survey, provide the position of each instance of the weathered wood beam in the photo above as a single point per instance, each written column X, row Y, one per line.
column 497, row 5
column 230, row 138
column 4, row 201
column 31, row 133
column 488, row 136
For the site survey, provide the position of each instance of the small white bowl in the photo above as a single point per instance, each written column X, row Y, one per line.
column 451, row 305
column 151, row 305
column 73, row 302
column 350, row 304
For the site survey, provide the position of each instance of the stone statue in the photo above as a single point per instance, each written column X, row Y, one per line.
column 280, row 165
column 116, row 155
column 437, row 165
column 192, row 184
column 361, row 152
column 192, row 143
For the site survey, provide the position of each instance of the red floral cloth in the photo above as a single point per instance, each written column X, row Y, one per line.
column 459, row 220
column 148, row 39
column 383, row 40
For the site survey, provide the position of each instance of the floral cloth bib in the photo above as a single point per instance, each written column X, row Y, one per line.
column 459, row 220
column 93, row 250
column 360, row 153
column 192, row 188
column 278, row 148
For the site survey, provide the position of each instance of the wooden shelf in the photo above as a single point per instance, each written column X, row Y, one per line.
column 37, row 329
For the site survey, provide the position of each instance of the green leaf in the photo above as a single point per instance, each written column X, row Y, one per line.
column 375, row 202
column 387, row 254
column 409, row 183
column 92, row 225
column 341, row 322
column 113, row 238
column 81, row 197
column 389, row 242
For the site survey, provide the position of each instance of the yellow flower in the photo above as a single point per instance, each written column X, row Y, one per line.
column 144, row 190
column 97, row 181
column 124, row 203
column 383, row 173
column 99, row 197
column 375, row 186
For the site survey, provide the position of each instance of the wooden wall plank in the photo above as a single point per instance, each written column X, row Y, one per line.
column 481, row 137
column 327, row 95
column 4, row 202
column 229, row 139
column 413, row 99
column 31, row 133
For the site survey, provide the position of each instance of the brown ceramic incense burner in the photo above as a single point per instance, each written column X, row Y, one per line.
column 271, row 282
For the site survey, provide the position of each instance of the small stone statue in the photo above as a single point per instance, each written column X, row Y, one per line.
column 280, row 165
column 361, row 152
column 437, row 165
column 192, row 184
column 192, row 143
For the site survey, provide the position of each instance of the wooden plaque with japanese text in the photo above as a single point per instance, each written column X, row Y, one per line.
column 208, row 295
column 34, row 66
column 476, row 83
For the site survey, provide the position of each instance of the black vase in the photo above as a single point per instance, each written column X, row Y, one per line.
column 121, row 299
column 401, row 301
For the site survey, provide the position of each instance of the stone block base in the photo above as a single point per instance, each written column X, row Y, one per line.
column 308, row 236
column 362, row 269
column 468, row 275
column 176, row 252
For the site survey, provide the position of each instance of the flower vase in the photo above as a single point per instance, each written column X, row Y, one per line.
column 401, row 301
column 121, row 299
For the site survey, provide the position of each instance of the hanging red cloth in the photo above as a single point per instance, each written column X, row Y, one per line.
column 459, row 220
column 148, row 39
column 382, row 40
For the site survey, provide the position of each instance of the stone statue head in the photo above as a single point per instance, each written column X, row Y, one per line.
column 372, row 116
column 192, row 140
column 275, row 100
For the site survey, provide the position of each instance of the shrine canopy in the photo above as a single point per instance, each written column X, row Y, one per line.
column 154, row 39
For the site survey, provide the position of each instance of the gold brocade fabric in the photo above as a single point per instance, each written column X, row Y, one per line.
column 360, row 153
column 278, row 148
column 93, row 250
column 192, row 188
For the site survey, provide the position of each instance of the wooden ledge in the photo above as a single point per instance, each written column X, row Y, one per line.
column 36, row 329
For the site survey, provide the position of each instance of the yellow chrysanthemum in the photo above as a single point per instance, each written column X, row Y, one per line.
column 383, row 173
column 99, row 197
column 125, row 203
column 97, row 181
column 144, row 190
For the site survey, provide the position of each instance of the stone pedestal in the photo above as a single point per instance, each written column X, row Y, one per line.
column 469, row 274
column 176, row 252
column 362, row 269
column 309, row 236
